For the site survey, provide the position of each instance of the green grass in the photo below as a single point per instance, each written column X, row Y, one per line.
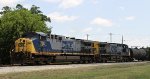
column 138, row 71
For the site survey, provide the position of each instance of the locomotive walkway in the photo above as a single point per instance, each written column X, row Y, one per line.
column 15, row 69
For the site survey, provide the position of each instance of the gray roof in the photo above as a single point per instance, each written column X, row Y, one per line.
column 41, row 33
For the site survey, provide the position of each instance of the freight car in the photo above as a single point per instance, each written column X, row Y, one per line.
column 38, row 47
column 138, row 54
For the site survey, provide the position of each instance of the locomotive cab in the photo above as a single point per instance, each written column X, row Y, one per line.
column 24, row 45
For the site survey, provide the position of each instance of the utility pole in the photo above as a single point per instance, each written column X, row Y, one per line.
column 110, row 34
column 110, row 37
column 122, row 39
column 87, row 35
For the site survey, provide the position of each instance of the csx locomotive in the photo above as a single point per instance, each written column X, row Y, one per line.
column 38, row 47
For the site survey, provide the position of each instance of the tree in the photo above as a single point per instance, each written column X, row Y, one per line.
column 5, row 9
column 15, row 22
column 148, row 53
column 19, row 7
column 35, row 10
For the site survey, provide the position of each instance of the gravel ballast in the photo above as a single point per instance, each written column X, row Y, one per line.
column 14, row 69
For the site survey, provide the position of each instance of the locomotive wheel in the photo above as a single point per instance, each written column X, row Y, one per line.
column 72, row 62
column 45, row 62
column 81, row 61
column 86, row 62
column 78, row 62
column 37, row 62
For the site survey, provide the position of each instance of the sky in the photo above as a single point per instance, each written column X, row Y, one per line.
column 98, row 18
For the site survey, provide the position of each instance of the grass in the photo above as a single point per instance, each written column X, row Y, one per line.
column 138, row 71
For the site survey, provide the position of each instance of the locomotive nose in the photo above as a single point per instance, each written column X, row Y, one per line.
column 20, row 45
column 24, row 45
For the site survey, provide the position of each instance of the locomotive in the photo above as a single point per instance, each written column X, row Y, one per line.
column 38, row 47
column 114, row 52
column 42, row 48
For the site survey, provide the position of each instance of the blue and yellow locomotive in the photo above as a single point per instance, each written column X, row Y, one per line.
column 38, row 47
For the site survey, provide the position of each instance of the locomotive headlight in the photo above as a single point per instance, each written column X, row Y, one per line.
column 20, row 40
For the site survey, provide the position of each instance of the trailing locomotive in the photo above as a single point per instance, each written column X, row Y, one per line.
column 38, row 47
column 114, row 52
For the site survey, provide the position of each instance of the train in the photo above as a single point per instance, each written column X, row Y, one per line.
column 39, row 47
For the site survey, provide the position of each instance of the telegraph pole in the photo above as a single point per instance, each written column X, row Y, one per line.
column 110, row 37
column 110, row 34
column 122, row 39
column 87, row 35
